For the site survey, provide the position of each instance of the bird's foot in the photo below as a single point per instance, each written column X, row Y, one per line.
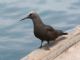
column 47, row 48
column 40, row 47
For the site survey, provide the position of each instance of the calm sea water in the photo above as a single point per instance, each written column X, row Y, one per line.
column 17, row 39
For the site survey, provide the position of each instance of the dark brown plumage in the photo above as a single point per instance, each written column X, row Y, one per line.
column 42, row 31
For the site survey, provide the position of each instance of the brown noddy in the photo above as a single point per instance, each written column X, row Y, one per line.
column 42, row 31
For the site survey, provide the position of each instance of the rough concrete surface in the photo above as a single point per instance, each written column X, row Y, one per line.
column 65, row 49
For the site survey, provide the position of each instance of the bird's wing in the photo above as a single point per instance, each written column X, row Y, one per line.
column 49, row 28
column 51, row 32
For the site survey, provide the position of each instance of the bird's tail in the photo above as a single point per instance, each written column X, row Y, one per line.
column 65, row 33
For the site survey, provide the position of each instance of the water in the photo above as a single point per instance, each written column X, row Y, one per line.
column 17, row 39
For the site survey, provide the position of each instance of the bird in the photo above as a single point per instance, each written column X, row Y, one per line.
column 43, row 31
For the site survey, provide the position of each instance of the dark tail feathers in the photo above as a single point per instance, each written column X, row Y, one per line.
column 61, row 32
column 65, row 33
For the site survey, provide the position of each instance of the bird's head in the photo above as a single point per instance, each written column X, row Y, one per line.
column 30, row 15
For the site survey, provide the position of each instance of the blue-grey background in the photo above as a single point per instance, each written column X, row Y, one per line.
column 17, row 39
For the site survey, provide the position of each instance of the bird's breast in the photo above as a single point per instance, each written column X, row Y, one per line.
column 40, row 34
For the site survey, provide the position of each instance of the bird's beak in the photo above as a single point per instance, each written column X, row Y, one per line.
column 24, row 18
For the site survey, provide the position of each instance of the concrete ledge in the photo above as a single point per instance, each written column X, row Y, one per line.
column 58, row 48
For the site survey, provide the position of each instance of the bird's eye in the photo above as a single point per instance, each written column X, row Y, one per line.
column 30, row 14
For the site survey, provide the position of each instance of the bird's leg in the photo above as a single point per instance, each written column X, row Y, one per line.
column 48, row 42
column 47, row 45
column 41, row 44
